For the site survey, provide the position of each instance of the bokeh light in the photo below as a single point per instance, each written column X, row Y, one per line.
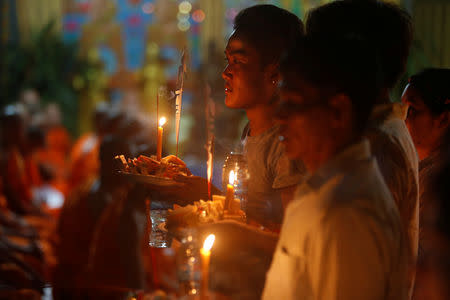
column 198, row 15
column 148, row 8
column 184, row 25
column 185, row 7
column 152, row 49
column 182, row 17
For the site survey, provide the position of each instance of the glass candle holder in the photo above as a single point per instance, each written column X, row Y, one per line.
column 237, row 163
column 189, row 263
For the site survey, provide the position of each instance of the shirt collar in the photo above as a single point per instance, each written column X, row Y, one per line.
column 344, row 160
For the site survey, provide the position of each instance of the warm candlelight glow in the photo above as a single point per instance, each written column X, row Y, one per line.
column 209, row 242
column 232, row 178
column 230, row 190
column 206, row 254
column 162, row 121
column 159, row 139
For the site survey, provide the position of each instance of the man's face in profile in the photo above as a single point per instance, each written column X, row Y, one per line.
column 244, row 75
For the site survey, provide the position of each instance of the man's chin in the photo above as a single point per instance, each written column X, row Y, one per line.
column 231, row 102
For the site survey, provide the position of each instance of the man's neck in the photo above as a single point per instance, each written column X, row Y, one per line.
column 260, row 119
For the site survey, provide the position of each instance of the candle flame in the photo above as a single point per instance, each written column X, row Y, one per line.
column 232, row 177
column 162, row 121
column 209, row 242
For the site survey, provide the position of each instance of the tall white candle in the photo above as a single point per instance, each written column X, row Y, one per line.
column 206, row 255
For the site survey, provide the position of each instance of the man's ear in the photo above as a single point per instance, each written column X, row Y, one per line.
column 341, row 111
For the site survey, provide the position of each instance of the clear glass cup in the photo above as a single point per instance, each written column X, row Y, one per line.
column 189, row 263
column 159, row 238
column 238, row 163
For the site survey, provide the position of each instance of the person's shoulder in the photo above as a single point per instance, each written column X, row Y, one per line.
column 361, row 184
column 395, row 153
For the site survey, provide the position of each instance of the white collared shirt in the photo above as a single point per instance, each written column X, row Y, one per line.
column 341, row 237
column 394, row 150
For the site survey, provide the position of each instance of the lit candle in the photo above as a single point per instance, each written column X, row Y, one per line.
column 162, row 121
column 230, row 190
column 206, row 255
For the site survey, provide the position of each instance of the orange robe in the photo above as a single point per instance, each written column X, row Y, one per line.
column 56, row 155
column 17, row 182
column 84, row 161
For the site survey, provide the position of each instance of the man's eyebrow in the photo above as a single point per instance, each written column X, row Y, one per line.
column 235, row 52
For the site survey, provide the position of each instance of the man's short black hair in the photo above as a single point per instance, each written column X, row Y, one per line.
column 268, row 28
column 433, row 85
column 334, row 66
column 387, row 26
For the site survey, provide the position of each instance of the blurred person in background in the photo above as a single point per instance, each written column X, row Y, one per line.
column 41, row 172
column 116, row 259
column 30, row 106
column 389, row 29
column 35, row 142
column 140, row 136
column 433, row 271
column 428, row 119
column 84, row 155
column 31, row 100
column 58, row 146
column 79, row 218
column 23, row 231
column 13, row 167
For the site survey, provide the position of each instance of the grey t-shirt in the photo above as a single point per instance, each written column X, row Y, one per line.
column 270, row 170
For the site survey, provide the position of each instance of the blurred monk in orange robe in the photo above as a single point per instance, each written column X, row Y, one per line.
column 84, row 163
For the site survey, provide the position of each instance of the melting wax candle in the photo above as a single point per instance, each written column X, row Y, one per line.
column 230, row 190
column 206, row 255
column 162, row 121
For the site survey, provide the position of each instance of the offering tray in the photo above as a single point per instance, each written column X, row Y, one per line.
column 150, row 179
